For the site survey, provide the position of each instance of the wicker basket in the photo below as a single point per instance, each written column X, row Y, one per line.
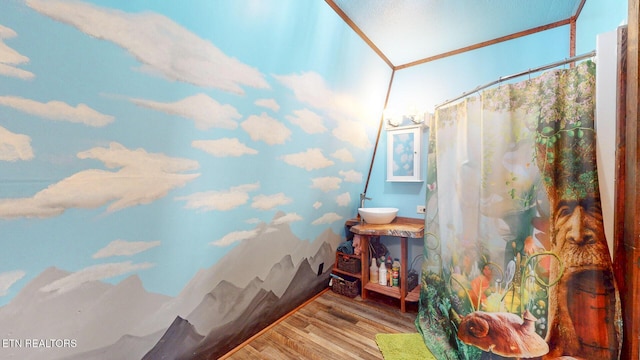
column 349, row 264
column 345, row 287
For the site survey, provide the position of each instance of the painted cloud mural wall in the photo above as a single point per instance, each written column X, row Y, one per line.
column 173, row 176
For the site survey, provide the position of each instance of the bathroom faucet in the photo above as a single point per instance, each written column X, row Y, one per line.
column 363, row 197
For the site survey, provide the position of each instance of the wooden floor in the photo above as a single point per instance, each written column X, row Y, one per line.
column 331, row 326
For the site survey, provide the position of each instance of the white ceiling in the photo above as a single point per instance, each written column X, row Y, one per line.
column 406, row 31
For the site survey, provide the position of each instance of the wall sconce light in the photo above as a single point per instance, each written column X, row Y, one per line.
column 391, row 119
column 393, row 122
column 416, row 118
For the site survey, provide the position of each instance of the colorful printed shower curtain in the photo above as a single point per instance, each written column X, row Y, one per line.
column 516, row 262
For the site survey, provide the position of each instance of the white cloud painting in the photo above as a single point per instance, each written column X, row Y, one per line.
column 343, row 155
column 287, row 219
column 224, row 147
column 9, row 57
column 311, row 159
column 14, row 147
column 93, row 273
column 268, row 103
column 141, row 178
column 267, row 202
column 327, row 183
column 124, row 248
column 327, row 219
column 265, row 128
column 220, row 200
column 9, row 278
column 162, row 46
column 308, row 121
column 235, row 236
column 205, row 112
column 58, row 110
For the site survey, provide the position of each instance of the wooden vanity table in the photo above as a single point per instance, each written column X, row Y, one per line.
column 403, row 228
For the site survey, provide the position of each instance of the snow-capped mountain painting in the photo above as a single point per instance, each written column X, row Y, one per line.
column 108, row 318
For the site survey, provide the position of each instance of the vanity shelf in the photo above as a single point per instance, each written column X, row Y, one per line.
column 358, row 270
column 393, row 291
column 403, row 228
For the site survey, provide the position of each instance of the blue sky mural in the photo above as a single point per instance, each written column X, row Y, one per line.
column 151, row 137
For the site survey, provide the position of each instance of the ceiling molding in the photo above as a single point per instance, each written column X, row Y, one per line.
column 360, row 33
column 486, row 43
column 569, row 21
column 579, row 10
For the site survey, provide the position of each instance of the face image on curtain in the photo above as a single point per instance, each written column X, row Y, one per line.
column 516, row 260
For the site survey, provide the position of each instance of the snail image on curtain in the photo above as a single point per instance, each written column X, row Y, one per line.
column 516, row 260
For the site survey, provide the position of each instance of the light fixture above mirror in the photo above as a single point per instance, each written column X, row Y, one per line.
column 414, row 117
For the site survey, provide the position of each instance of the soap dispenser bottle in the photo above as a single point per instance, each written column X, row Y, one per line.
column 382, row 274
column 373, row 271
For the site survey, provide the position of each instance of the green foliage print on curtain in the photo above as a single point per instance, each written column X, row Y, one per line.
column 516, row 260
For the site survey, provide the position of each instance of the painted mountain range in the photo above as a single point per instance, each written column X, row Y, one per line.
column 218, row 309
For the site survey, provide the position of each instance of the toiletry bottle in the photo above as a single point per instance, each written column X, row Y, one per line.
column 373, row 271
column 395, row 277
column 382, row 274
column 389, row 266
column 395, row 273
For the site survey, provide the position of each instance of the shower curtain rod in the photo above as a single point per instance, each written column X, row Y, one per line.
column 509, row 77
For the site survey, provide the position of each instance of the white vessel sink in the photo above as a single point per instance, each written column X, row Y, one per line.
column 378, row 215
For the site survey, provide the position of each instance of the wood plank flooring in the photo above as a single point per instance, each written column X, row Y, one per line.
column 329, row 327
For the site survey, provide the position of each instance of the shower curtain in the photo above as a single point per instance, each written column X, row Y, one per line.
column 516, row 264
